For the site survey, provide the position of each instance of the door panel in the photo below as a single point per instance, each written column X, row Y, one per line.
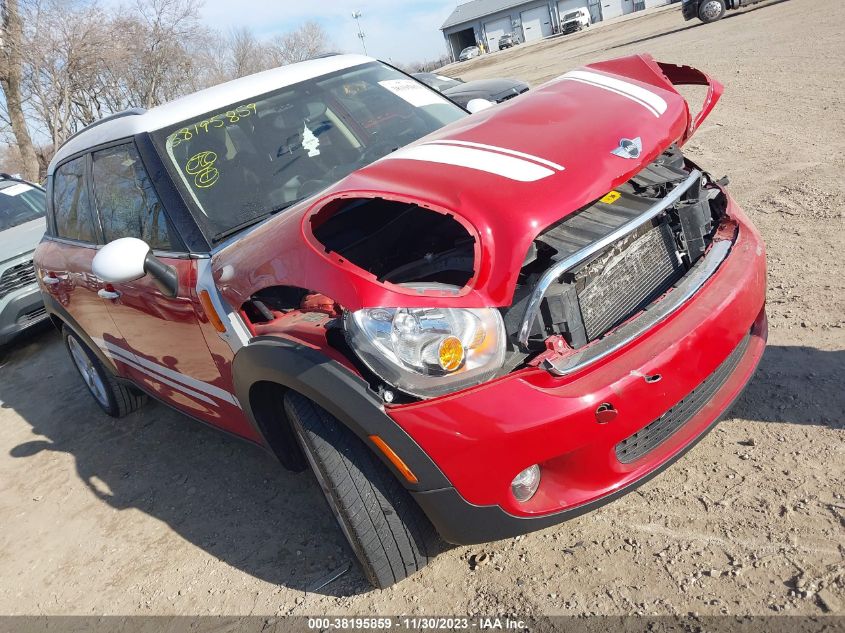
column 65, row 271
column 494, row 30
column 536, row 23
column 163, row 348
column 166, row 352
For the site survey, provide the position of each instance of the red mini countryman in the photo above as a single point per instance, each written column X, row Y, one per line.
column 468, row 326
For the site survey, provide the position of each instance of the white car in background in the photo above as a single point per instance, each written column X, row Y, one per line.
column 22, row 224
column 575, row 20
column 468, row 53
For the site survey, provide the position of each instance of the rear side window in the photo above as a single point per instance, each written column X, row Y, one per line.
column 125, row 198
column 71, row 204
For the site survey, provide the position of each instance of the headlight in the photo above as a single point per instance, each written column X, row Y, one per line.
column 428, row 352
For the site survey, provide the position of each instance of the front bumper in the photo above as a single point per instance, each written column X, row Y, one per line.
column 482, row 437
column 19, row 310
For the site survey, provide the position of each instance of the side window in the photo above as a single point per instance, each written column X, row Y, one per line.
column 125, row 198
column 71, row 204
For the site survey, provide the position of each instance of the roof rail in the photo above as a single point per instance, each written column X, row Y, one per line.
column 110, row 117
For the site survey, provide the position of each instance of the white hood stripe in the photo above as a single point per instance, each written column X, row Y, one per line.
column 646, row 98
column 504, row 150
column 156, row 371
column 492, row 162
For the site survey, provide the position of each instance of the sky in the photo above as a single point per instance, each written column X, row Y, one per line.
column 396, row 30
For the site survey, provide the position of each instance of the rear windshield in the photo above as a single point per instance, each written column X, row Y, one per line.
column 254, row 158
column 20, row 203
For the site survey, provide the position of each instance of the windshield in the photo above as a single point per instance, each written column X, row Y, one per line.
column 469, row 49
column 20, row 203
column 438, row 82
column 571, row 16
column 246, row 161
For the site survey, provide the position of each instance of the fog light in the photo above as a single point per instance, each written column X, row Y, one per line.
column 525, row 484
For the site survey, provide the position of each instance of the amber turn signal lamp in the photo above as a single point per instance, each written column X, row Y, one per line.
column 401, row 466
column 210, row 312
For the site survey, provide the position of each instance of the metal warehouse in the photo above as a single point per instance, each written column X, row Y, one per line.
column 485, row 21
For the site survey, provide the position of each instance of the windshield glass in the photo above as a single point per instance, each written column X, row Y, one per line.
column 571, row 16
column 246, row 161
column 20, row 203
column 438, row 82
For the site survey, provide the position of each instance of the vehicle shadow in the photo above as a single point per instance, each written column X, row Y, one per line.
column 236, row 502
column 796, row 385
column 224, row 495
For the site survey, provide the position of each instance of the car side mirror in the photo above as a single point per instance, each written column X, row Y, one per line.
column 127, row 259
column 477, row 105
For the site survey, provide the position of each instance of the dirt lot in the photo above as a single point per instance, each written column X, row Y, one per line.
column 155, row 514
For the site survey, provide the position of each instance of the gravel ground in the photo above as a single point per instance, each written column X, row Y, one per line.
column 155, row 514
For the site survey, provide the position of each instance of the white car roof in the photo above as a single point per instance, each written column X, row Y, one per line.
column 199, row 103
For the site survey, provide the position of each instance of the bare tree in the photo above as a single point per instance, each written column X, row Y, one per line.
column 11, row 80
column 67, row 63
column 65, row 45
column 306, row 42
column 245, row 55
column 165, row 65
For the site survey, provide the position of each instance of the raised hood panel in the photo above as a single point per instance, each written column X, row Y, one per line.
column 509, row 172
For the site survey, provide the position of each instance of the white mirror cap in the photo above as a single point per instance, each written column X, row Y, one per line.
column 477, row 105
column 121, row 260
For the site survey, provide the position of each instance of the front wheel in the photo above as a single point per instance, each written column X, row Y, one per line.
column 711, row 10
column 387, row 531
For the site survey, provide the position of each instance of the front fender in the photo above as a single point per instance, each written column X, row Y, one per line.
column 337, row 390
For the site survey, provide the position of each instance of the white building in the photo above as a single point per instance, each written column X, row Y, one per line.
column 485, row 21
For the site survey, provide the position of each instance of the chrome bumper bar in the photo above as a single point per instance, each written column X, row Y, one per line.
column 554, row 273
column 701, row 271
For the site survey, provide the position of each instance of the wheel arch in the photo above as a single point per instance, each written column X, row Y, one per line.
column 268, row 366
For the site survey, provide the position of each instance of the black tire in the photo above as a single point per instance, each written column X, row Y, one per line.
column 706, row 13
column 387, row 531
column 116, row 399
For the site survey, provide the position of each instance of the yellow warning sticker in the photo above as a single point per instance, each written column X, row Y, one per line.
column 611, row 197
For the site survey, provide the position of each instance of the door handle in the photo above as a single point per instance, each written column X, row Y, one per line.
column 108, row 294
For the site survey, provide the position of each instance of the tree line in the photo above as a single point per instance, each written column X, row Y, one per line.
column 67, row 63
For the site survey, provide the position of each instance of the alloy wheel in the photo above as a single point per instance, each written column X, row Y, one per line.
column 88, row 371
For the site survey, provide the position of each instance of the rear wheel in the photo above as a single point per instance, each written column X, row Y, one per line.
column 387, row 531
column 115, row 398
column 711, row 10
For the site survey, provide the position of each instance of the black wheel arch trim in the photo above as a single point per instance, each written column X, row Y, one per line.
column 337, row 390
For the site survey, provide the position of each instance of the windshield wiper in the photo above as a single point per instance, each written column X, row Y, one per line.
column 219, row 237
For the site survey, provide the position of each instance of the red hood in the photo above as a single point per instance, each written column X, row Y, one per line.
column 551, row 150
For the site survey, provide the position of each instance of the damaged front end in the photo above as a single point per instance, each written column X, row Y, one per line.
column 429, row 276
column 589, row 274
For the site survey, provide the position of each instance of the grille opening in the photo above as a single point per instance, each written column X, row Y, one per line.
column 654, row 434
column 17, row 277
column 597, row 295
